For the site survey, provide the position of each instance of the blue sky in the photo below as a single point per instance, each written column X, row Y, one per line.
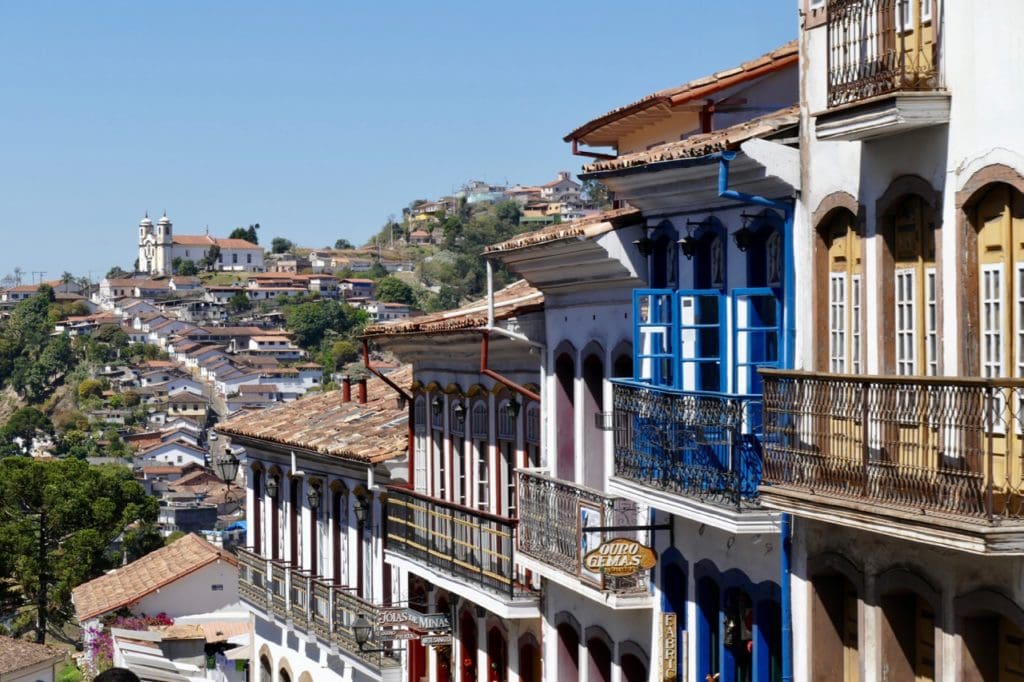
column 315, row 119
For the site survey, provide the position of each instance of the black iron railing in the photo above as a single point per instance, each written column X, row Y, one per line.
column 465, row 543
column 700, row 445
column 938, row 445
column 553, row 516
column 878, row 46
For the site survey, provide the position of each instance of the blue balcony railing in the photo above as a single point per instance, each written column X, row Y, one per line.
column 703, row 445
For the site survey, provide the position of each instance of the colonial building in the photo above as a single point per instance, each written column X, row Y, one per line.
column 451, row 529
column 159, row 247
column 317, row 471
column 897, row 446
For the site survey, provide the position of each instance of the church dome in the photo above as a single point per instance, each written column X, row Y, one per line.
column 146, row 222
column 165, row 220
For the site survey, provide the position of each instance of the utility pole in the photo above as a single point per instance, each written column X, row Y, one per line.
column 41, row 273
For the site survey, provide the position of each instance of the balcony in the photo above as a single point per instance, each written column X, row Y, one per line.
column 462, row 550
column 883, row 69
column 937, row 460
column 695, row 454
column 313, row 606
column 552, row 539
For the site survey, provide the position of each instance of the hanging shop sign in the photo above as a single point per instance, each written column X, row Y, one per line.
column 411, row 618
column 436, row 640
column 669, row 647
column 620, row 557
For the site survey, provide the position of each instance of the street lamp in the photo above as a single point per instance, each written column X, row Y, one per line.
column 313, row 497
column 272, row 487
column 362, row 628
column 226, row 466
column 436, row 405
column 512, row 407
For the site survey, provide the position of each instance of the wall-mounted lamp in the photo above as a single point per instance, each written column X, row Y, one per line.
column 273, row 485
column 436, row 405
column 645, row 245
column 402, row 402
column 744, row 236
column 512, row 408
column 313, row 497
column 459, row 410
column 361, row 509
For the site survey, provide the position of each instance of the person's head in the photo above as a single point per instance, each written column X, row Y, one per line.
column 117, row 675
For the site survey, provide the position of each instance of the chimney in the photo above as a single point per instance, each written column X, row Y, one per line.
column 346, row 389
column 362, row 391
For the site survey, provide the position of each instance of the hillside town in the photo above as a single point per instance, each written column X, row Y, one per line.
column 738, row 400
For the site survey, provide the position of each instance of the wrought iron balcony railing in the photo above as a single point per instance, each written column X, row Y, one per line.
column 699, row 445
column 313, row 602
column 553, row 516
column 944, row 446
column 465, row 543
column 876, row 47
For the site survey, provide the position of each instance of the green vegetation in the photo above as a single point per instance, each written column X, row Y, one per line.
column 343, row 244
column 281, row 245
column 58, row 521
column 393, row 290
column 248, row 234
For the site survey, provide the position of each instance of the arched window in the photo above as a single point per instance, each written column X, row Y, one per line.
column 481, row 452
column 533, row 435
column 508, row 412
column 457, row 429
column 420, row 442
column 999, row 220
column 437, row 455
column 912, row 294
column 845, row 286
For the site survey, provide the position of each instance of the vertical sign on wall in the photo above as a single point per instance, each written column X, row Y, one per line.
column 669, row 648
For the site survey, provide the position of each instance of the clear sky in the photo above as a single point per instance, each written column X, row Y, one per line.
column 315, row 119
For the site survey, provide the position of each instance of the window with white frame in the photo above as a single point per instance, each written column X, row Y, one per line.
column 931, row 325
column 992, row 321
column 457, row 429
column 837, row 322
column 532, row 435
column 906, row 323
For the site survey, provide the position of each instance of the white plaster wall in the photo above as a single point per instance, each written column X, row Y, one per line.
column 193, row 594
column 982, row 50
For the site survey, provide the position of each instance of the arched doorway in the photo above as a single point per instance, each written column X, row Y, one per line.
column 497, row 656
column 266, row 670
column 593, row 437
column 565, row 412
column 708, row 628
column 834, row 630
column 908, row 637
column 599, row 664
column 568, row 652
column 443, row 655
column 633, row 669
column 991, row 629
column 468, row 642
column 529, row 659
column 284, row 676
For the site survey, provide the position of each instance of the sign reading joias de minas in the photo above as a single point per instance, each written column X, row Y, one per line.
column 620, row 556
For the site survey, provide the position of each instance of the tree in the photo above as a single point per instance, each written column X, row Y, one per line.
column 342, row 353
column 595, row 194
column 176, row 265
column 310, row 322
column 188, row 268
column 58, row 520
column 211, row 258
column 25, row 424
column 90, row 388
column 239, row 302
column 343, row 244
column 246, row 233
column 117, row 273
column 281, row 245
column 393, row 290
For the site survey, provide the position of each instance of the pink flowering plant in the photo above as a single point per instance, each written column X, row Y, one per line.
column 99, row 644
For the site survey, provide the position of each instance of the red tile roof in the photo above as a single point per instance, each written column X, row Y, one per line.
column 123, row 587
column 373, row 432
column 696, row 89
column 705, row 143
column 600, row 222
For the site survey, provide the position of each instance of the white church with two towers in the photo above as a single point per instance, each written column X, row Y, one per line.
column 159, row 247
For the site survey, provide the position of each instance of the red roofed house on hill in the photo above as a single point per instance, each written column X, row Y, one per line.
column 158, row 247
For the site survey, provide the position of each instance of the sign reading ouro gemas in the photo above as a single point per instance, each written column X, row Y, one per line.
column 620, row 556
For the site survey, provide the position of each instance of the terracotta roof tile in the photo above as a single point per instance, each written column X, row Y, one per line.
column 127, row 585
column 515, row 299
column 703, row 144
column 17, row 654
column 700, row 87
column 372, row 432
column 571, row 230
